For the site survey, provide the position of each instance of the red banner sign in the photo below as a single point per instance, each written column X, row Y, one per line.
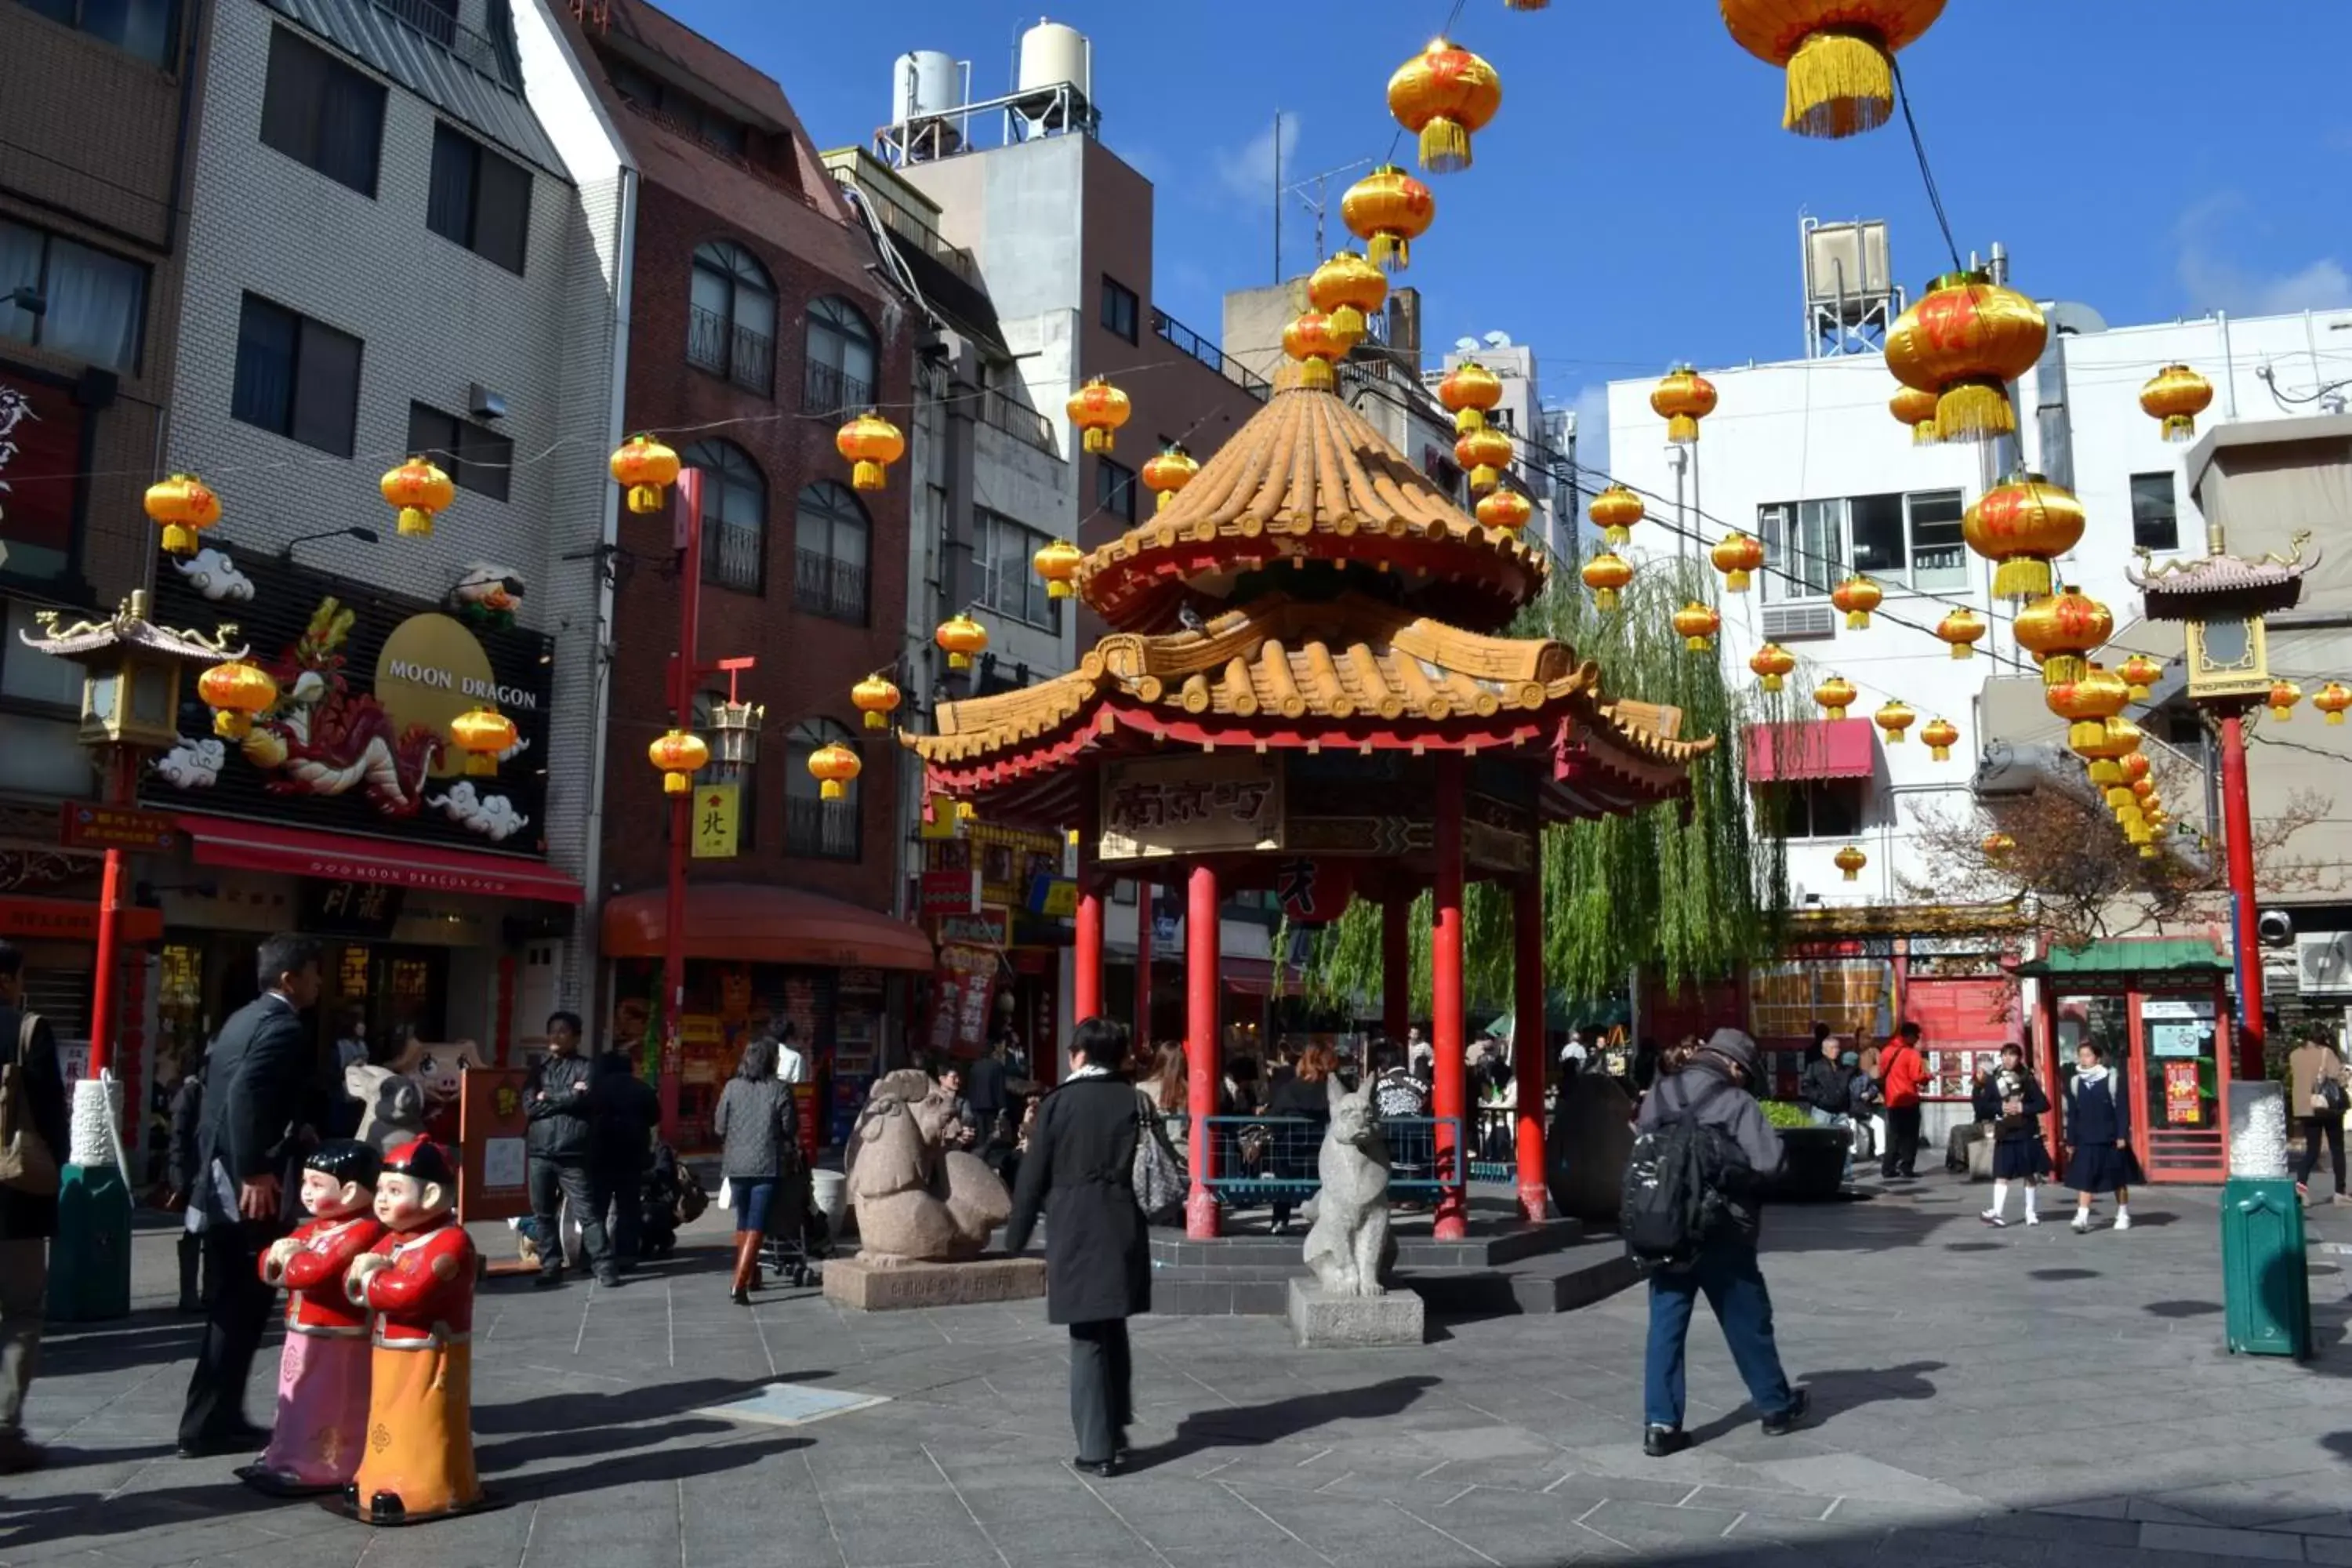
column 62, row 920
column 2184, row 1102
column 117, row 827
column 40, row 452
column 950, row 892
column 961, row 992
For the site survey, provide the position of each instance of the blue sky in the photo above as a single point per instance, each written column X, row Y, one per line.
column 1636, row 201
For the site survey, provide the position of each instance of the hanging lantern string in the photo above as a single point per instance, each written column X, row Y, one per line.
column 1926, row 175
column 1453, row 19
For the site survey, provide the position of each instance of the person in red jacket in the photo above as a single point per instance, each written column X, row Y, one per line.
column 1902, row 1069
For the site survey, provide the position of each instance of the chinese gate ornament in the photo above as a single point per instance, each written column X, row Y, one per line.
column 1835, row 695
column 1697, row 625
column 1682, row 400
column 1505, row 508
column 1737, row 556
column 1606, row 575
column 235, row 690
column 1857, row 596
column 962, row 637
column 484, row 735
column 1772, row 662
column 1916, row 409
column 1483, row 453
column 2332, row 700
column 1894, row 718
column 648, row 468
column 2023, row 525
column 1965, row 341
column 1444, row 95
column 2062, row 630
column 1850, row 860
column 1942, row 735
column 681, row 755
column 2176, row 396
column 872, row 442
column 1470, row 391
column 1962, row 628
column 833, row 765
column 1350, row 289
column 417, row 490
column 1615, row 511
column 1169, row 472
column 1057, row 562
column 184, row 506
column 876, row 698
column 1388, row 209
column 1098, row 408
column 1839, row 56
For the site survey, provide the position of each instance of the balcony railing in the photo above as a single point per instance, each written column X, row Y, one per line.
column 745, row 357
column 1020, row 423
column 827, row 389
column 436, row 22
column 1210, row 355
column 823, row 829
column 824, row 586
column 731, row 556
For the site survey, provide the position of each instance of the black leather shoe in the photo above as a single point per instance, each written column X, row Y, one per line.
column 1658, row 1442
column 244, row 1438
column 1104, row 1469
column 548, row 1280
column 1789, row 1420
column 1120, row 1449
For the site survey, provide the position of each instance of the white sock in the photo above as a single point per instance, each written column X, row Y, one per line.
column 2000, row 1198
column 2083, row 1208
column 2033, row 1208
column 2123, row 1211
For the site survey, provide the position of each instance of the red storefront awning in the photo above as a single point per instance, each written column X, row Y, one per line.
column 251, row 846
column 1811, row 749
column 746, row 922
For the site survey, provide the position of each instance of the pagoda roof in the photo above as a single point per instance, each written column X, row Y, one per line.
column 1309, row 480
column 2219, row 586
column 1286, row 673
column 128, row 628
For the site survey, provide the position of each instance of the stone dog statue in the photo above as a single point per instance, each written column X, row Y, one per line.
column 915, row 1201
column 1348, row 1246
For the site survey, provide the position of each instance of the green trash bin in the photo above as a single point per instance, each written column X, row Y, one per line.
column 2265, row 1291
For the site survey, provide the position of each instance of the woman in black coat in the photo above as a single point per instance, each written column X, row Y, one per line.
column 1081, row 1162
column 2098, row 1129
column 2013, row 1104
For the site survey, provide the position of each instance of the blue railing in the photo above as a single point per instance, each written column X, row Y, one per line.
column 1259, row 1159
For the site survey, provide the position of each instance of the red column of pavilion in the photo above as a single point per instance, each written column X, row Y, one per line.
column 1446, row 1020
column 1205, row 1070
column 1529, row 1042
column 1087, row 982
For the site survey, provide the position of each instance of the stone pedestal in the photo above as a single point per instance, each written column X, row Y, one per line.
column 868, row 1288
column 1321, row 1321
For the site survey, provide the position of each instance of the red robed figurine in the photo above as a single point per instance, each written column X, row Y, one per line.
column 418, row 1281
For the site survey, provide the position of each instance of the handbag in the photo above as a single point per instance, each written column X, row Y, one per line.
column 2330, row 1096
column 1159, row 1176
column 27, row 1165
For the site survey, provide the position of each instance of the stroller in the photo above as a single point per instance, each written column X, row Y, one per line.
column 672, row 1195
column 797, row 1236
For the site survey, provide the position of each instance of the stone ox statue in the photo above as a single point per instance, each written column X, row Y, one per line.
column 916, row 1201
column 1348, row 1247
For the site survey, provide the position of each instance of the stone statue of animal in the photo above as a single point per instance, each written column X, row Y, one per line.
column 915, row 1202
column 1348, row 1247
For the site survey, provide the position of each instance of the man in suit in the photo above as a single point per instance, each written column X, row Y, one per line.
column 259, row 1076
column 29, row 1051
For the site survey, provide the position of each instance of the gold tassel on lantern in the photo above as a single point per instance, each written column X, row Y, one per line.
column 1975, row 411
column 1840, row 83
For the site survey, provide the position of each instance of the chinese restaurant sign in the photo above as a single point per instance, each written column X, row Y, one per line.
column 1190, row 806
column 960, row 990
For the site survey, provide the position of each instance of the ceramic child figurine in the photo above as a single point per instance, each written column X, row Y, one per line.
column 418, row 1281
column 322, row 1377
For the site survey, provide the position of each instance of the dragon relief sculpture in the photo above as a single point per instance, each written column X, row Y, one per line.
column 325, row 740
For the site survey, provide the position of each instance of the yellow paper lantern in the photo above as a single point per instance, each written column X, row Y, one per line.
column 2062, row 630
column 1962, row 628
column 877, row 699
column 2176, row 396
column 872, row 442
column 1835, row 695
column 1737, row 556
column 1965, row 341
column 679, row 755
column 648, row 468
column 1915, row 409
column 1850, row 860
column 1317, row 346
column 1470, row 392
column 1682, row 399
column 184, row 506
column 1351, row 290
column 1895, row 718
column 1697, row 625
column 1099, row 409
column 2140, row 673
column 417, row 490
column 1444, row 95
column 2023, row 525
column 2284, row 695
column 484, row 734
column 1505, row 508
column 1940, row 735
column 1839, row 56
column 1615, row 511
column 833, row 765
column 1997, row 847
column 1169, row 472
column 2332, row 700
column 1606, row 575
column 1057, row 562
column 235, row 690
column 1388, row 209
column 963, row 639
column 1773, row 663
column 1483, row 453
column 1857, row 596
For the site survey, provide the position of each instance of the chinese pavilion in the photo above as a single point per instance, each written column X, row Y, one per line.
column 1307, row 680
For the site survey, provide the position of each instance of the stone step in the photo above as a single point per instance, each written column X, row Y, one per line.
column 1559, row 1281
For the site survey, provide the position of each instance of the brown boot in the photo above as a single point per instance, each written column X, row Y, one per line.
column 747, row 1260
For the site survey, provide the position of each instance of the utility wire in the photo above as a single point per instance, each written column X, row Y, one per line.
column 1926, row 175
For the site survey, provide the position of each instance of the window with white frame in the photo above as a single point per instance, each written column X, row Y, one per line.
column 1002, row 551
column 1900, row 540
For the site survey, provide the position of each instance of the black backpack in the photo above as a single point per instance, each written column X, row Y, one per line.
column 1674, row 1188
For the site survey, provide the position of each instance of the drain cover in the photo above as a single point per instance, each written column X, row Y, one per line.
column 794, row 1405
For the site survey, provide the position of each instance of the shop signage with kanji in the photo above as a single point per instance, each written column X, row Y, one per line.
column 991, row 927
column 1166, row 807
column 950, row 892
column 716, row 821
column 1055, row 896
column 352, row 909
column 85, row 827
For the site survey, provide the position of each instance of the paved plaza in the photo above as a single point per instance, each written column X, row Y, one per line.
column 2015, row 1396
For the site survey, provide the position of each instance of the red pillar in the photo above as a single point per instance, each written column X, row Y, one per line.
column 2045, row 1058
column 1529, row 1042
column 1204, row 1068
column 121, row 789
column 1446, row 1011
column 1396, row 963
column 1142, row 968
column 2238, row 831
column 688, row 538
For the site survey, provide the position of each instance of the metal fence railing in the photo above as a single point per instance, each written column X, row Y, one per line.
column 1266, row 1158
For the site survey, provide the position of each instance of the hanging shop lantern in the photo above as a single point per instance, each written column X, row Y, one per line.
column 1942, row 735
column 876, row 698
column 1697, row 625
column 1894, row 718
column 417, row 489
column 1615, row 511
column 1965, row 341
column 1835, row 695
column 1963, row 628
column 1057, row 562
column 2140, row 673
column 2023, row 525
column 1850, row 860
column 1606, row 575
column 735, row 729
column 184, row 506
column 648, row 469
column 833, row 765
column 1505, row 508
column 1735, row 556
column 1169, row 472
column 1351, row 290
column 1857, row 596
column 1773, row 662
column 484, row 735
column 1470, row 391
column 1098, row 408
column 1312, row 341
column 2135, row 767
column 962, row 637
column 1839, row 57
column 2105, row 746
column 679, row 755
column 1682, row 400
column 2086, row 702
column 2332, row 700
column 1483, row 453
column 235, row 690
column 2062, row 630
column 873, row 444
column 1388, row 209
column 1444, row 95
column 2284, row 695
column 2177, row 395
column 1916, row 409
column 1997, row 847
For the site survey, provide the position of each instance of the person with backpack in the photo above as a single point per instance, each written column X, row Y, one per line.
column 2316, row 1098
column 1703, row 1153
column 1902, row 1072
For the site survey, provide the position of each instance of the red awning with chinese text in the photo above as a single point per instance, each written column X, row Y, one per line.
column 1811, row 749
column 250, row 846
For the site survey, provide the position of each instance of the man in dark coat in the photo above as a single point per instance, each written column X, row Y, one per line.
column 627, row 1110
column 1081, row 1161
column 257, row 1075
column 557, row 1147
column 29, row 1052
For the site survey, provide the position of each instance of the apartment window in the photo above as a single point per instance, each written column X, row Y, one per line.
column 1939, row 556
column 2156, row 513
column 147, row 28
column 731, row 317
column 1901, row 540
column 829, row 555
column 1805, row 548
column 474, row 457
column 95, row 304
column 296, row 376
column 1819, row 808
column 1121, row 311
column 478, row 200
column 1115, row 488
column 319, row 112
column 814, row 827
column 1009, row 584
column 841, row 378
column 1880, row 546
column 734, row 515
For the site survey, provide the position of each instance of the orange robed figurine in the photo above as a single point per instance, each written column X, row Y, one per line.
column 418, row 1281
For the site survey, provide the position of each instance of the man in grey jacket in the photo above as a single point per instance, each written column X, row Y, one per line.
column 1712, row 1089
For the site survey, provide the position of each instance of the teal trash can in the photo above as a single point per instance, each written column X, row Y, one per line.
column 90, row 1260
column 2265, row 1288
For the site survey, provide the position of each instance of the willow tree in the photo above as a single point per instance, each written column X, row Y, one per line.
column 1684, row 890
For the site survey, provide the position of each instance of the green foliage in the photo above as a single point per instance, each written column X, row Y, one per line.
column 1685, row 892
column 1782, row 1113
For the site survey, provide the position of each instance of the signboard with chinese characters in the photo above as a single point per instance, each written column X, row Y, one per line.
column 86, row 826
column 492, row 1126
column 368, row 909
column 1190, row 806
column 1314, row 892
column 948, row 892
column 716, row 808
column 1053, row 897
column 960, row 990
column 991, row 927
column 2184, row 1100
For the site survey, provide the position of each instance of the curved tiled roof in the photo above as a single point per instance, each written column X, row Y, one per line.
column 1309, row 480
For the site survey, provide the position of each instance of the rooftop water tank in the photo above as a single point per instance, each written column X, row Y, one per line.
column 922, row 84
column 1052, row 53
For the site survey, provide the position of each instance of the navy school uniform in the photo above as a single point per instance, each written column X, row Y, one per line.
column 2017, row 1152
column 2097, row 1120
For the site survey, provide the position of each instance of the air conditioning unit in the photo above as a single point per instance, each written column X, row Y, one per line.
column 2323, row 961
column 1799, row 622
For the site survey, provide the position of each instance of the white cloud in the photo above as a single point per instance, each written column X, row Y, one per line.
column 1249, row 173
column 2215, row 282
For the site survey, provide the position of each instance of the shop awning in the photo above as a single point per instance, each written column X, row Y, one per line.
column 749, row 924
column 1809, row 749
column 2169, row 956
column 295, row 851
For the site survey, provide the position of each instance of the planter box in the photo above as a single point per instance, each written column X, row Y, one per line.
column 1815, row 1171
